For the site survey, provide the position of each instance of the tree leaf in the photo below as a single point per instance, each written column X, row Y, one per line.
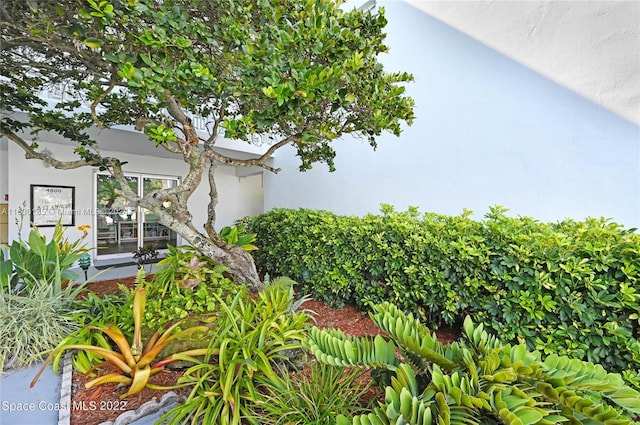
column 94, row 43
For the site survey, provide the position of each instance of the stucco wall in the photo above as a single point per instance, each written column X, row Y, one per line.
column 488, row 131
column 4, row 169
column 591, row 47
column 238, row 196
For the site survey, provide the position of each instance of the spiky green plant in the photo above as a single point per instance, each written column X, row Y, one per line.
column 253, row 334
column 313, row 397
column 136, row 361
column 31, row 325
column 477, row 380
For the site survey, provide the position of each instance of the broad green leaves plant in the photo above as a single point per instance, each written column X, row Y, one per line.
column 37, row 262
column 477, row 380
column 237, row 236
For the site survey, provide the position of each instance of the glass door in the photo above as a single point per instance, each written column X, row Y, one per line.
column 116, row 218
column 121, row 227
column 153, row 233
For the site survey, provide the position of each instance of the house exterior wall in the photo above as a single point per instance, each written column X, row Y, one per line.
column 591, row 47
column 488, row 132
column 237, row 196
column 4, row 166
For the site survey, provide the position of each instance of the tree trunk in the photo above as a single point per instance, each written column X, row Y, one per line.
column 239, row 261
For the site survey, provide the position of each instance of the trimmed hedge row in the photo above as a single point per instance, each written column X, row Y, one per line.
column 568, row 287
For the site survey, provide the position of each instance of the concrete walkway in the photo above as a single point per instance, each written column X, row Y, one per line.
column 21, row 405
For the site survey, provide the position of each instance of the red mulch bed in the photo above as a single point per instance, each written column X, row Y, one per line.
column 102, row 403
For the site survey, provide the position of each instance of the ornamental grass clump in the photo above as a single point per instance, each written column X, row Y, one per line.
column 31, row 325
column 313, row 396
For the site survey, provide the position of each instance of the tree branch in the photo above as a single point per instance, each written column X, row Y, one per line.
column 217, row 122
column 258, row 162
column 100, row 98
column 31, row 153
column 175, row 110
column 213, row 202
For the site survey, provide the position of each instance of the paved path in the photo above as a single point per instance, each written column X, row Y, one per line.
column 21, row 405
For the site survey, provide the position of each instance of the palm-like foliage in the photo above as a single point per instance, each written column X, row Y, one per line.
column 475, row 381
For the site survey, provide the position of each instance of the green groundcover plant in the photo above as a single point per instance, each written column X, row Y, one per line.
column 477, row 380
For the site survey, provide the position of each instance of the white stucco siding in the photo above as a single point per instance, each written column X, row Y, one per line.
column 238, row 196
column 488, row 131
column 4, row 168
column 590, row 47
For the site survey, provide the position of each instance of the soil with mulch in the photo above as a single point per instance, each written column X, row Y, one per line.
column 102, row 403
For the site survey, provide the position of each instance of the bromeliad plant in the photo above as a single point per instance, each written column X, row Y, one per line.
column 475, row 381
column 186, row 267
column 135, row 361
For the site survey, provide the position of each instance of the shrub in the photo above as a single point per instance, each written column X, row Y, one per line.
column 476, row 380
column 566, row 287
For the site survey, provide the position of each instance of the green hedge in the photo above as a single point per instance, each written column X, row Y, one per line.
column 567, row 288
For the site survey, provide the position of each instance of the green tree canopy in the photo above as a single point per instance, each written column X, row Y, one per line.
column 294, row 72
